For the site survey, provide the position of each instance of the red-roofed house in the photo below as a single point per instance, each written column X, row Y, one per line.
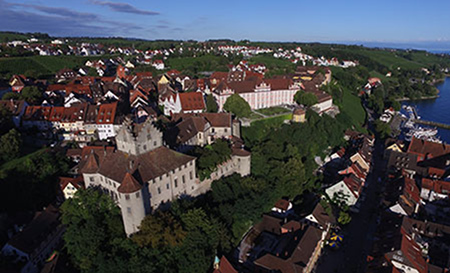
column 190, row 102
column 70, row 185
column 434, row 189
column 105, row 120
column 347, row 190
column 18, row 82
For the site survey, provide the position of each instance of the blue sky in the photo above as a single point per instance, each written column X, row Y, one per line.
column 401, row 21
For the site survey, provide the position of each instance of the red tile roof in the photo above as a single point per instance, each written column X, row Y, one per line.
column 77, row 182
column 107, row 113
column 129, row 184
column 192, row 101
column 225, row 266
column 427, row 149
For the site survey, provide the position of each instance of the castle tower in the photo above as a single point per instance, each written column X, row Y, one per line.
column 136, row 139
column 131, row 203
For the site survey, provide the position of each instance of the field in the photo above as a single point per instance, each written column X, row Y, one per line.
column 41, row 66
column 199, row 64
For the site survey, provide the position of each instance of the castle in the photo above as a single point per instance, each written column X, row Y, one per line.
column 142, row 174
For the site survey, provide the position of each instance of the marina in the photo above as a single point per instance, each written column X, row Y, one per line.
column 430, row 114
column 410, row 127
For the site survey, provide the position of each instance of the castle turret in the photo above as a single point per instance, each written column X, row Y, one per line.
column 131, row 203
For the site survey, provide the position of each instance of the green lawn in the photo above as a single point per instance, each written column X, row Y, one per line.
column 254, row 116
column 273, row 111
column 273, row 121
column 351, row 105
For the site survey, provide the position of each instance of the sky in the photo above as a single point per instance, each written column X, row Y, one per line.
column 416, row 22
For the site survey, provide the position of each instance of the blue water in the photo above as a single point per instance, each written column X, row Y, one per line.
column 436, row 109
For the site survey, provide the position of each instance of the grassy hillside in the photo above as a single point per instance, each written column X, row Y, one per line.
column 10, row 36
column 40, row 66
column 199, row 64
column 351, row 105
column 275, row 66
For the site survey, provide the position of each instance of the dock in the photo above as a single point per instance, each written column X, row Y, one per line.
column 432, row 123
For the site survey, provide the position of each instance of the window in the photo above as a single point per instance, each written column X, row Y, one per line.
column 190, row 175
column 91, row 179
column 154, row 143
column 167, row 174
column 167, row 185
column 145, row 147
column 225, row 130
column 213, row 130
column 183, row 179
column 159, row 190
column 127, row 197
column 129, row 210
column 175, row 182
column 190, row 163
column 138, row 194
column 160, row 178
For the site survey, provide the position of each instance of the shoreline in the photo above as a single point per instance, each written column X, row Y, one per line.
column 435, row 82
column 416, row 99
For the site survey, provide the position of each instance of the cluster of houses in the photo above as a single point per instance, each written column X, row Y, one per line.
column 356, row 161
column 414, row 229
column 83, row 108
column 296, row 56
column 143, row 165
column 246, row 51
column 282, row 241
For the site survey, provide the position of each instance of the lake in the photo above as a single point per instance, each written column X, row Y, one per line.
column 436, row 109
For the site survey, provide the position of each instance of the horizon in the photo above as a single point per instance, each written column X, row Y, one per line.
column 405, row 23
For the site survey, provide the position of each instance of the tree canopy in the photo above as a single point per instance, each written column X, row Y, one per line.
column 238, row 106
column 305, row 98
column 10, row 145
column 211, row 104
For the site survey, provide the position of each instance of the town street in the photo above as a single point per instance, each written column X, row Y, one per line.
column 358, row 235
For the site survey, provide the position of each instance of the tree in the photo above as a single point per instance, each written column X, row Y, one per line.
column 10, row 144
column 305, row 98
column 6, row 123
column 211, row 105
column 198, row 250
column 31, row 94
column 11, row 95
column 160, row 230
column 344, row 218
column 238, row 106
column 383, row 129
column 93, row 228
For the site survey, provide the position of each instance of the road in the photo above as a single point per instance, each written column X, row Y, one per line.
column 358, row 235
